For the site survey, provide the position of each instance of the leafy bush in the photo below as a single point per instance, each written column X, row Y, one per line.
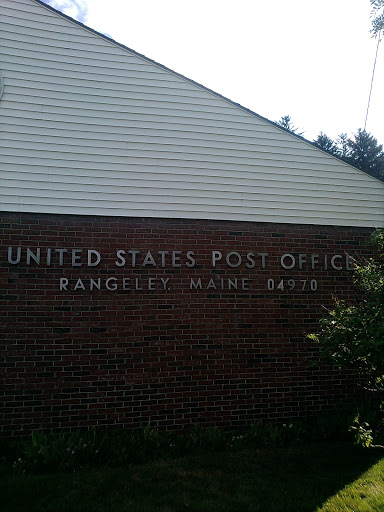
column 363, row 434
column 352, row 335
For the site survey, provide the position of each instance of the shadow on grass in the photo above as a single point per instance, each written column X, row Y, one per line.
column 299, row 478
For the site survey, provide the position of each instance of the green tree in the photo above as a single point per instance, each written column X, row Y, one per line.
column 366, row 154
column 377, row 15
column 286, row 122
column 326, row 143
column 352, row 335
column 361, row 150
column 342, row 143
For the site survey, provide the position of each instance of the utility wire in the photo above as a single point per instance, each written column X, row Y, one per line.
column 373, row 75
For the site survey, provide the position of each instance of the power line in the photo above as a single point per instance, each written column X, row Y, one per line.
column 373, row 75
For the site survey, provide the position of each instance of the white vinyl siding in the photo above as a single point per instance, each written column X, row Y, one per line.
column 88, row 127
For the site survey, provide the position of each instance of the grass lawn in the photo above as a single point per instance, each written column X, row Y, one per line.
column 316, row 477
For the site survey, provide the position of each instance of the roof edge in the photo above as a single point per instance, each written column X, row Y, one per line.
column 218, row 95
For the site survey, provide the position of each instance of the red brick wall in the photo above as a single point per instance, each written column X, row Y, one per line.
column 177, row 357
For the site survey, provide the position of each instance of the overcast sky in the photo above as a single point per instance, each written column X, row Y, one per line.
column 310, row 59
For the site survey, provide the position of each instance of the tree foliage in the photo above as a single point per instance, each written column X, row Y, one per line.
column 361, row 150
column 352, row 335
column 366, row 154
column 326, row 143
column 286, row 122
column 377, row 15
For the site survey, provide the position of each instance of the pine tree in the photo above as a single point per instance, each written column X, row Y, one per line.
column 361, row 150
column 286, row 122
column 326, row 143
column 366, row 154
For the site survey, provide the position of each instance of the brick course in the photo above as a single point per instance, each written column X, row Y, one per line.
column 177, row 357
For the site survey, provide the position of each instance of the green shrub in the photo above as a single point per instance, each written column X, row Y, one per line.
column 52, row 452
